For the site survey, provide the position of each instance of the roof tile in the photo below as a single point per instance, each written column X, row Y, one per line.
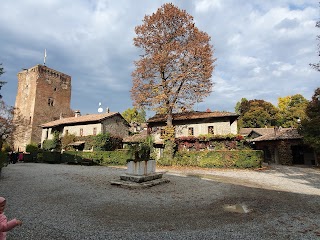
column 79, row 119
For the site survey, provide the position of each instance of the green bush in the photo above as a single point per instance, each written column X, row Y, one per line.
column 165, row 161
column 54, row 143
column 32, row 147
column 216, row 159
column 3, row 159
column 49, row 144
column 117, row 157
column 49, row 157
column 67, row 139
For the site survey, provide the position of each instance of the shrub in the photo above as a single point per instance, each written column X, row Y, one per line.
column 49, row 157
column 3, row 159
column 141, row 151
column 117, row 157
column 49, row 144
column 6, row 147
column 106, row 142
column 32, row 147
column 67, row 139
column 216, row 159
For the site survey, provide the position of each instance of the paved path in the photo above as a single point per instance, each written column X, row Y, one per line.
column 78, row 202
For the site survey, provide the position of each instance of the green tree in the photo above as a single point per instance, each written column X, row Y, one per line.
column 134, row 115
column 291, row 110
column 241, row 106
column 310, row 126
column 175, row 67
column 257, row 114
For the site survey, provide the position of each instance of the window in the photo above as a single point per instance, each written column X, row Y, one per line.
column 81, row 132
column 190, row 131
column 47, row 134
column 50, row 101
column 162, row 132
column 67, row 132
column 94, row 131
column 210, row 130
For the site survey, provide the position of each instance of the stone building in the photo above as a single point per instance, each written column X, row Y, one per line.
column 194, row 124
column 43, row 95
column 86, row 125
column 281, row 146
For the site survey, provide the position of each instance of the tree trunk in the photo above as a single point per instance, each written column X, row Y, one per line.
column 170, row 137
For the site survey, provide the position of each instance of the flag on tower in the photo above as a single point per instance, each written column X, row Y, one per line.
column 45, row 56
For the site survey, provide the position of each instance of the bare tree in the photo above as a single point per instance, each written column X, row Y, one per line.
column 317, row 65
column 176, row 64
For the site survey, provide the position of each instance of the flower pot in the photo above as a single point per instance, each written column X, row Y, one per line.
column 141, row 167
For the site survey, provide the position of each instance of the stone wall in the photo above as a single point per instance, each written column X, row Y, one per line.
column 43, row 95
column 280, row 150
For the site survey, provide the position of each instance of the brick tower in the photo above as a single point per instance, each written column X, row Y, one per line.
column 44, row 95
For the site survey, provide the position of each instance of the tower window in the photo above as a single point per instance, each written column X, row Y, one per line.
column 50, row 102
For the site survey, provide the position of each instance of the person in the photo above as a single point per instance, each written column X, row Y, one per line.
column 11, row 157
column 4, row 224
column 20, row 158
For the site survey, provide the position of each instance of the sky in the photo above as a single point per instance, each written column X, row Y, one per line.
column 263, row 48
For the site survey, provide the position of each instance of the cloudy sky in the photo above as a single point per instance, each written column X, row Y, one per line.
column 263, row 48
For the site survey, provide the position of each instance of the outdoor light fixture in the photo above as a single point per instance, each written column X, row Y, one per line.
column 299, row 120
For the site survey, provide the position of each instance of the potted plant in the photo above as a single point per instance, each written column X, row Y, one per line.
column 140, row 162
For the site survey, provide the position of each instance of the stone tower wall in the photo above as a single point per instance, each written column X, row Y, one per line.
column 44, row 95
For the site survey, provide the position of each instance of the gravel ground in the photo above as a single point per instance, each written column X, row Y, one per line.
column 78, row 202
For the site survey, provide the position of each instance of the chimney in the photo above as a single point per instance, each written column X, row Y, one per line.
column 77, row 113
column 107, row 110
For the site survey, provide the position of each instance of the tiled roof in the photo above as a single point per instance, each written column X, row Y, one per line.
column 80, row 119
column 260, row 131
column 280, row 134
column 192, row 115
column 136, row 137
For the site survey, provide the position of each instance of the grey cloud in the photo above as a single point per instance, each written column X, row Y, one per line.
column 92, row 42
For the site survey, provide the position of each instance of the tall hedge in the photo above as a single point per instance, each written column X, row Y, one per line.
column 216, row 159
column 118, row 157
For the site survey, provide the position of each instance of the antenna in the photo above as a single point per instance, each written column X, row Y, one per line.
column 100, row 109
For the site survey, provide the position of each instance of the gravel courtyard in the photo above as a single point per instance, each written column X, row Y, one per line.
column 78, row 202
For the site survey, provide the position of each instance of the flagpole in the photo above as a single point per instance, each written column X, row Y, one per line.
column 45, row 56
